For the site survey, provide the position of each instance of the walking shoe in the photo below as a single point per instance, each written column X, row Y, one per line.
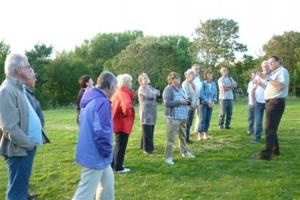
column 255, row 142
column 189, row 141
column 205, row 136
column 169, row 161
column 260, row 157
column 199, row 137
column 227, row 127
column 123, row 171
column 32, row 196
column 221, row 127
column 188, row 155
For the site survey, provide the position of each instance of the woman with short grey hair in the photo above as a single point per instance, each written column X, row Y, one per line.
column 147, row 108
column 123, row 117
column 192, row 94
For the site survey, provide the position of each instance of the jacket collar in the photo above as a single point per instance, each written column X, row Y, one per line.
column 15, row 82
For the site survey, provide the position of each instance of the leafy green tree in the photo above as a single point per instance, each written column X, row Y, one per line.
column 285, row 46
column 62, row 82
column 104, row 47
column 4, row 50
column 39, row 57
column 154, row 56
column 216, row 41
column 241, row 71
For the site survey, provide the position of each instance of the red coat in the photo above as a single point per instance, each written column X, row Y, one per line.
column 123, row 110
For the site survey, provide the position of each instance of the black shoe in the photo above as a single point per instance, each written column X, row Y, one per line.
column 260, row 157
column 227, row 127
column 189, row 141
column 276, row 153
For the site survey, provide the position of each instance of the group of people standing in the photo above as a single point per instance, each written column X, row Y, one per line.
column 108, row 108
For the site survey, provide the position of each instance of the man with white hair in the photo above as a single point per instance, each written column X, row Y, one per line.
column 259, row 101
column 20, row 126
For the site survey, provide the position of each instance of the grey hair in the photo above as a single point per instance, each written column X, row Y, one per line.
column 107, row 80
column 188, row 72
column 124, row 80
column 14, row 61
column 195, row 65
column 265, row 62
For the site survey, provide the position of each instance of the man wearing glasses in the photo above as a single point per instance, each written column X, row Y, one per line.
column 20, row 126
column 275, row 93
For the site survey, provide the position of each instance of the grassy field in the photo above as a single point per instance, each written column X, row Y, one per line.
column 222, row 169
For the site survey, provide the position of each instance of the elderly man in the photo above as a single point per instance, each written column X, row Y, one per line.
column 259, row 101
column 275, row 93
column 226, row 85
column 20, row 126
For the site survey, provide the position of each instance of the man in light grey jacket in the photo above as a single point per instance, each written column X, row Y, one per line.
column 20, row 127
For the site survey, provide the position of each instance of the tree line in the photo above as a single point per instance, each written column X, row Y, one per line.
column 215, row 44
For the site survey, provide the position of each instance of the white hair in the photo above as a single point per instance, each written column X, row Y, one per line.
column 124, row 80
column 264, row 63
column 14, row 61
column 195, row 66
column 188, row 72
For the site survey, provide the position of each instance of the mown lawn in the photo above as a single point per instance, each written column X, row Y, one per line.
column 223, row 168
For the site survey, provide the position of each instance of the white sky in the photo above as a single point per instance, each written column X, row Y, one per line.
column 65, row 24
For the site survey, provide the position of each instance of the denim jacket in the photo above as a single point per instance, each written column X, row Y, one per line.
column 208, row 92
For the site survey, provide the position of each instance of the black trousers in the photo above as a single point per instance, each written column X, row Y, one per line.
column 147, row 138
column 119, row 151
column 189, row 124
column 274, row 111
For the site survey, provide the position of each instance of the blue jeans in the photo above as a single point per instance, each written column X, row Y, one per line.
column 258, row 122
column 225, row 111
column 251, row 119
column 19, row 171
column 205, row 118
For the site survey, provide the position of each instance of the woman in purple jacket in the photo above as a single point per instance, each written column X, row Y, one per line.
column 95, row 142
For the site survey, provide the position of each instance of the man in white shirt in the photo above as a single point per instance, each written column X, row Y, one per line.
column 259, row 101
column 198, row 83
column 275, row 93
column 251, row 88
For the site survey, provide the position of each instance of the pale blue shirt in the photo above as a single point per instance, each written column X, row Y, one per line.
column 281, row 75
column 34, row 124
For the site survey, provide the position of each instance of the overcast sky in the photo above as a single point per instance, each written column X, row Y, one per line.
column 65, row 24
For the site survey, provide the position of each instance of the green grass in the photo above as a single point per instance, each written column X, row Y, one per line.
column 223, row 168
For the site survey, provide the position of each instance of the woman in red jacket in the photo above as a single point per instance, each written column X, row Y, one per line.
column 123, row 118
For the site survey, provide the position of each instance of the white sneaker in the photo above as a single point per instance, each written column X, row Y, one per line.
column 205, row 136
column 123, row 171
column 199, row 137
column 169, row 161
column 188, row 155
